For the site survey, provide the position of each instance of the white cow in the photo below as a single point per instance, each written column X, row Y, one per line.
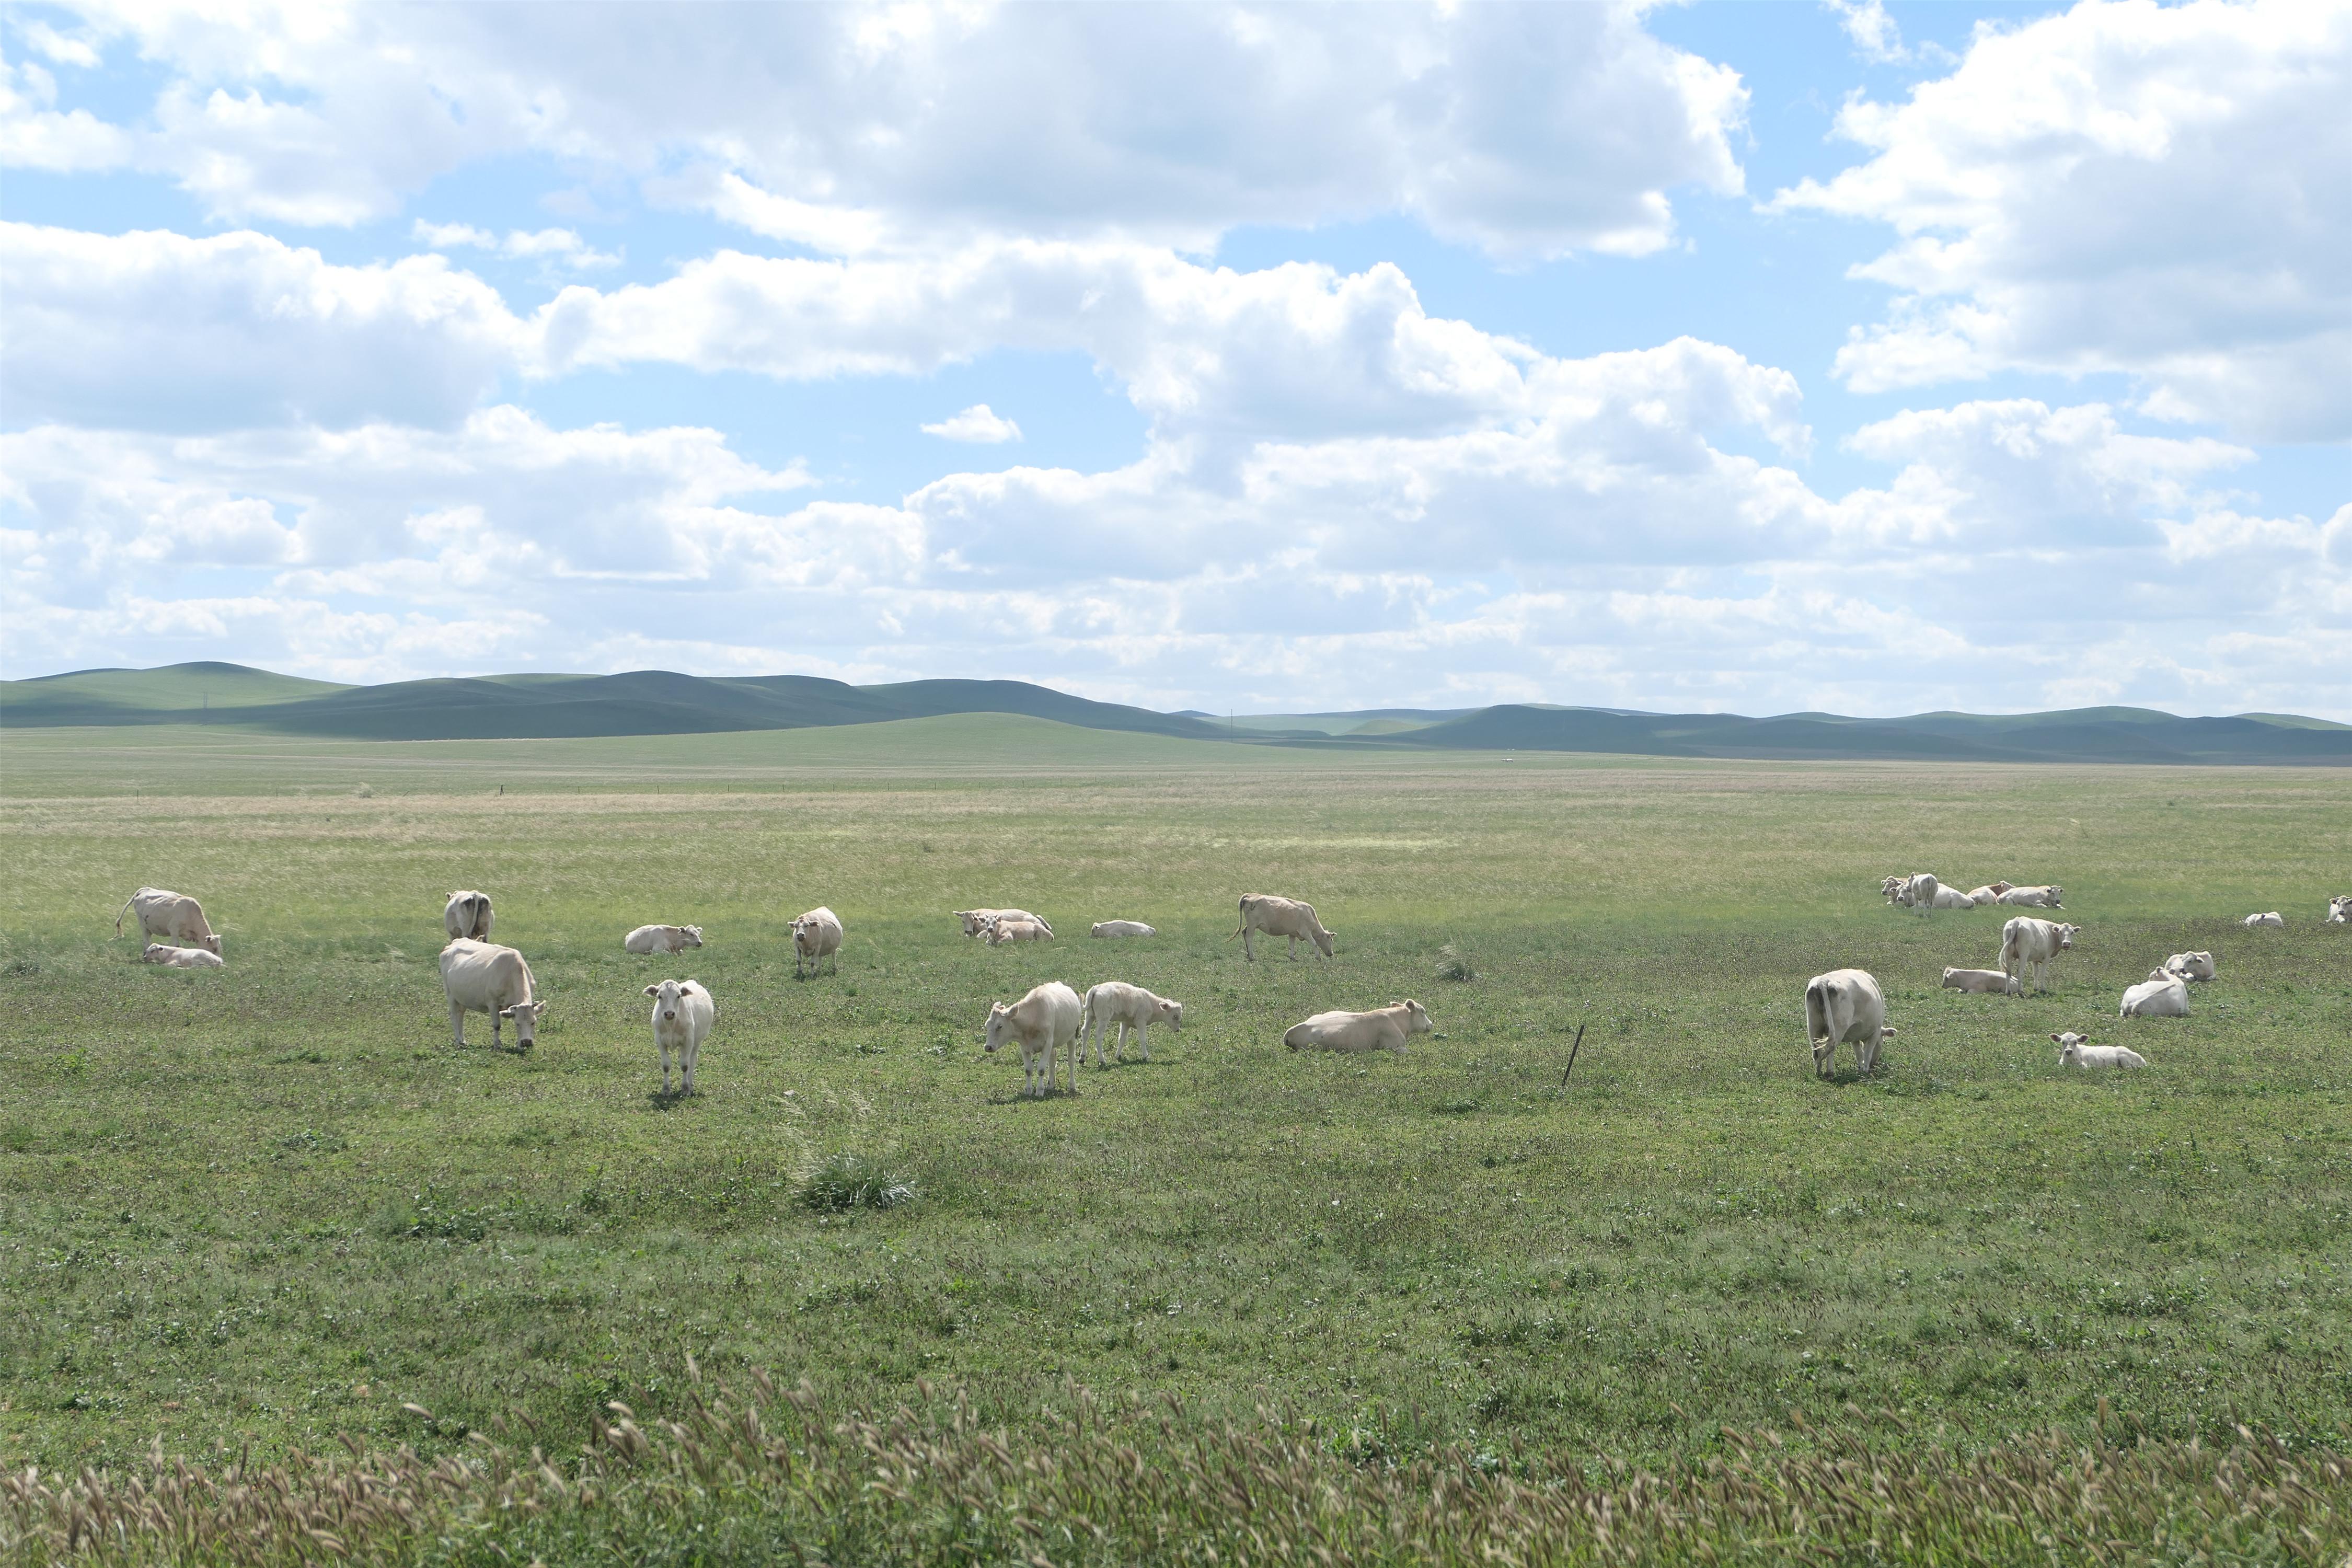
column 173, row 916
column 1280, row 917
column 2273, row 919
column 661, row 939
column 2340, row 909
column 1952, row 899
column 1992, row 981
column 816, row 936
column 181, row 957
column 468, row 915
column 2163, row 994
column 2045, row 897
column 1381, row 1029
column 683, row 1014
column 975, row 921
column 2026, row 941
column 1919, row 893
column 2076, row 1051
column 1114, row 1005
column 1122, row 928
column 1894, row 887
column 1001, row 930
column 1990, row 893
column 1845, row 1004
column 1043, row 1023
column 483, row 977
column 2190, row 965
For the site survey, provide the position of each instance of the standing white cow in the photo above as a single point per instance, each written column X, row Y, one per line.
column 181, row 957
column 2163, row 994
column 661, row 939
column 1114, row 1005
column 2034, row 898
column 483, row 977
column 175, row 917
column 683, row 1014
column 2026, row 941
column 1845, row 1004
column 2076, row 1051
column 1122, row 928
column 816, row 935
column 2274, row 919
column 2340, row 909
column 1919, row 892
column 1280, row 917
column 468, row 915
column 1042, row 1024
column 1381, row 1029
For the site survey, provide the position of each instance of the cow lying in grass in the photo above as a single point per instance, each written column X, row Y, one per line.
column 1381, row 1029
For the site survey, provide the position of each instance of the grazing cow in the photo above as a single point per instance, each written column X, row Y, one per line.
column 2076, row 1051
column 1280, row 917
column 1042, row 1022
column 1381, row 1029
column 2163, row 994
column 816, row 935
column 181, row 957
column 975, row 921
column 2027, row 941
column 1114, row 1005
column 2273, row 919
column 173, row 916
column 683, row 1014
column 2340, row 909
column 467, row 915
column 1001, row 931
column 1992, row 981
column 1845, row 1004
column 2034, row 898
column 661, row 939
column 482, row 977
column 1122, row 928
column 2190, row 965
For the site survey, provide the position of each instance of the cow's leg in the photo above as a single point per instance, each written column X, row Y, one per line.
column 1249, row 944
column 664, row 1046
column 1294, row 949
column 687, row 1054
column 457, row 1023
column 494, row 1031
column 1143, row 1038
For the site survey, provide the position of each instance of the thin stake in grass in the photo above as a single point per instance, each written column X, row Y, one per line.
column 1571, row 1055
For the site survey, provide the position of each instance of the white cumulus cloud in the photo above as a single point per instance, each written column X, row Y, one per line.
column 979, row 424
column 2156, row 190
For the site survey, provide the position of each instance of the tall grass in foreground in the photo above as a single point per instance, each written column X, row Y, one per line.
column 772, row 1475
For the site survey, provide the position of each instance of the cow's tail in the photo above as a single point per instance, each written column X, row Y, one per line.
column 2007, row 950
column 122, row 912
column 1243, row 907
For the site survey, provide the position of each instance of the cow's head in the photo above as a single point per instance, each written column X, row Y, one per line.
column 1416, row 1018
column 2069, row 1046
column 2066, row 935
column 971, row 922
column 1171, row 1014
column 210, row 943
column 2056, row 893
column 154, row 954
column 1000, row 1026
column 1324, row 939
column 526, row 1017
column 666, row 997
column 2339, row 910
column 693, row 935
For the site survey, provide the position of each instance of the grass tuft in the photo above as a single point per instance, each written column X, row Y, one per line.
column 1452, row 965
column 851, row 1182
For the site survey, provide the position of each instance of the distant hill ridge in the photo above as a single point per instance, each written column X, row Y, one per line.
column 660, row 702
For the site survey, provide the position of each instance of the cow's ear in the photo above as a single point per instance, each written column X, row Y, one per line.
column 653, row 990
column 2059, row 1039
column 506, row 1012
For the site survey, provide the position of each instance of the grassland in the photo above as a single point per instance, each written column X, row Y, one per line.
column 271, row 1205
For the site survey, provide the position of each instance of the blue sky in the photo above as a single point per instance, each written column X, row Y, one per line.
column 1750, row 357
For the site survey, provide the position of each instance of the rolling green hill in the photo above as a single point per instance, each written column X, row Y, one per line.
column 649, row 702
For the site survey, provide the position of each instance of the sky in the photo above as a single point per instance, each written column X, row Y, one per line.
column 1750, row 357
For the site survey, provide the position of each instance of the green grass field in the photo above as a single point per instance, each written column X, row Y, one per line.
column 270, row 1205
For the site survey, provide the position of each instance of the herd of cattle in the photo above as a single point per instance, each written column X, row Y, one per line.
column 1844, row 1007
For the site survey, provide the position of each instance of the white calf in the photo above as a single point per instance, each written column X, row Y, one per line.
column 1001, row 930
column 2034, row 898
column 2190, row 965
column 1114, row 1005
column 1122, row 928
column 2340, row 909
column 683, row 1014
column 2076, row 1051
column 179, row 957
column 2273, row 919
column 1992, row 981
